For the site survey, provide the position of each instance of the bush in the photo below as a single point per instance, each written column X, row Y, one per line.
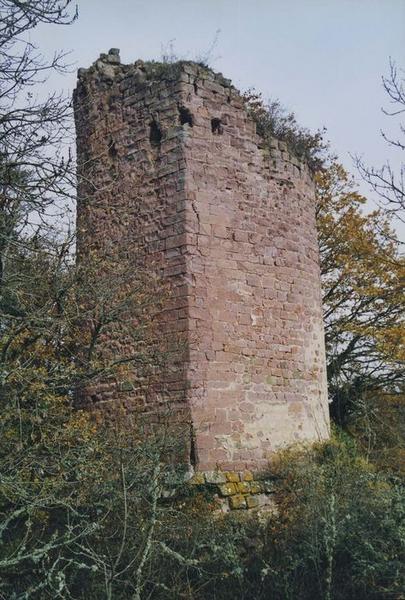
column 339, row 532
column 86, row 514
column 274, row 121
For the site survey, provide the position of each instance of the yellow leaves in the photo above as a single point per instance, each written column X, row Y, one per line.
column 81, row 426
column 391, row 342
column 363, row 278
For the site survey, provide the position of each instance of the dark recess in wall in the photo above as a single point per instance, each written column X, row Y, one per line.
column 185, row 116
column 216, row 126
column 155, row 134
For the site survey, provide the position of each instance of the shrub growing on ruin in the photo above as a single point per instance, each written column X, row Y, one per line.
column 274, row 121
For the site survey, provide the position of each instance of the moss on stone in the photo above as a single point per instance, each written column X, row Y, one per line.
column 232, row 476
column 237, row 502
column 227, row 489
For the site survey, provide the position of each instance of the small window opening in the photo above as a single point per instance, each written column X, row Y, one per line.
column 112, row 150
column 185, row 116
column 216, row 126
column 195, row 86
column 155, row 134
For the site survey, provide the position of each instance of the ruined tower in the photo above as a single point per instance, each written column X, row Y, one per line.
column 229, row 223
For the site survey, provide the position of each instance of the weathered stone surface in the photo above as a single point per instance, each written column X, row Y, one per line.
column 238, row 501
column 256, row 487
column 252, row 502
column 227, row 489
column 173, row 176
column 232, row 476
column 197, row 479
column 243, row 487
column 246, row 476
column 215, row 477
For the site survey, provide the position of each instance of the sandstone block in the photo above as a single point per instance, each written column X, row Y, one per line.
column 215, row 477
column 252, row 501
column 246, row 476
column 232, row 476
column 243, row 487
column 197, row 479
column 256, row 487
column 227, row 489
column 237, row 502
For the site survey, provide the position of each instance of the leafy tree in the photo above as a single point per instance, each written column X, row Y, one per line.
column 362, row 277
column 53, row 315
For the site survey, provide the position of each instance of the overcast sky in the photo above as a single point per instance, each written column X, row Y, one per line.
column 322, row 58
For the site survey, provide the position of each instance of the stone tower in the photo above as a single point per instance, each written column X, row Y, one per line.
column 229, row 223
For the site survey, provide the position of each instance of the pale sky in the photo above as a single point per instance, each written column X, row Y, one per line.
column 322, row 58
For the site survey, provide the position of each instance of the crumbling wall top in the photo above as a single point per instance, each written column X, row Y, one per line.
column 107, row 70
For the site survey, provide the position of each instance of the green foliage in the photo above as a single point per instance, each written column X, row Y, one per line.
column 89, row 517
column 164, row 70
column 274, row 121
column 340, row 529
column 362, row 273
column 85, row 515
column 378, row 425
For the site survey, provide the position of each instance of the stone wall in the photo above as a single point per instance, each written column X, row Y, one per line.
column 173, row 175
column 232, row 490
column 131, row 197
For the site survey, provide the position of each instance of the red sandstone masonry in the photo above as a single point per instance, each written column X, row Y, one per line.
column 172, row 171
